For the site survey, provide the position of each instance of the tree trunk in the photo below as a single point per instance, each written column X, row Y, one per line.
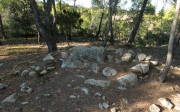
column 100, row 24
column 1, row 43
column 135, row 29
column 177, row 38
column 54, row 23
column 112, row 35
column 109, row 21
column 2, row 28
column 165, row 70
column 44, row 33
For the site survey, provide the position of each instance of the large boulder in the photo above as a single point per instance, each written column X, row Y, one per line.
column 79, row 56
column 128, row 80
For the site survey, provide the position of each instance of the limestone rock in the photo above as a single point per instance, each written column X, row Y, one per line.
column 105, row 105
column 48, row 58
column 32, row 73
column 25, row 88
column 109, row 71
column 95, row 68
column 120, row 51
column 81, row 55
column 154, row 108
column 24, row 73
column 51, row 68
column 148, row 58
column 113, row 109
column 126, row 57
column 85, row 90
column 10, row 99
column 141, row 56
column 64, row 55
column 101, row 106
column 101, row 83
column 165, row 103
column 37, row 68
column 43, row 72
column 176, row 102
column 24, row 103
column 109, row 57
column 133, row 54
column 121, row 88
column 128, row 80
column 1, row 64
column 155, row 62
column 17, row 72
column 3, row 86
column 141, row 68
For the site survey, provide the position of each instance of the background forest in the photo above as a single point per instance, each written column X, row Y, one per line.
column 74, row 22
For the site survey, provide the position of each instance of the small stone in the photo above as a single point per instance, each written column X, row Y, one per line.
column 48, row 58
column 105, row 105
column 32, row 67
column 3, row 86
column 56, row 73
column 104, row 98
column 43, row 72
column 24, row 73
column 98, row 94
column 85, row 90
column 109, row 57
column 17, row 72
column 113, row 109
column 155, row 63
column 121, row 88
column 32, row 73
column 37, row 68
column 154, row 108
column 46, row 95
column 109, row 71
column 100, row 106
column 24, row 103
column 165, row 103
column 72, row 96
column 126, row 57
column 118, row 61
column 51, row 68
column 1, row 64
column 10, row 99
column 149, row 57
column 95, row 68
column 101, row 83
column 80, row 76
column 25, row 88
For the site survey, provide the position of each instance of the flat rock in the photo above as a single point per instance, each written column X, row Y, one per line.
column 154, row 108
column 105, row 105
column 101, row 83
column 3, row 86
column 165, row 103
column 128, row 80
column 10, row 99
column 109, row 71
column 48, row 58
column 51, row 68
column 24, row 103
column 148, row 58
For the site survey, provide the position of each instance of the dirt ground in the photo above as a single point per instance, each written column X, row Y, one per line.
column 61, row 86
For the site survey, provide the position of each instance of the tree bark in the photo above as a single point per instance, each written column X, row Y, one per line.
column 2, row 29
column 109, row 21
column 55, row 22
column 165, row 70
column 100, row 24
column 1, row 43
column 44, row 33
column 135, row 29
column 177, row 38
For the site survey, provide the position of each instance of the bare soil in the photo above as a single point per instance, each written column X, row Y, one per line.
column 64, row 84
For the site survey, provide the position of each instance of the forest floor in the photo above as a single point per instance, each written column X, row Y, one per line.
column 62, row 92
